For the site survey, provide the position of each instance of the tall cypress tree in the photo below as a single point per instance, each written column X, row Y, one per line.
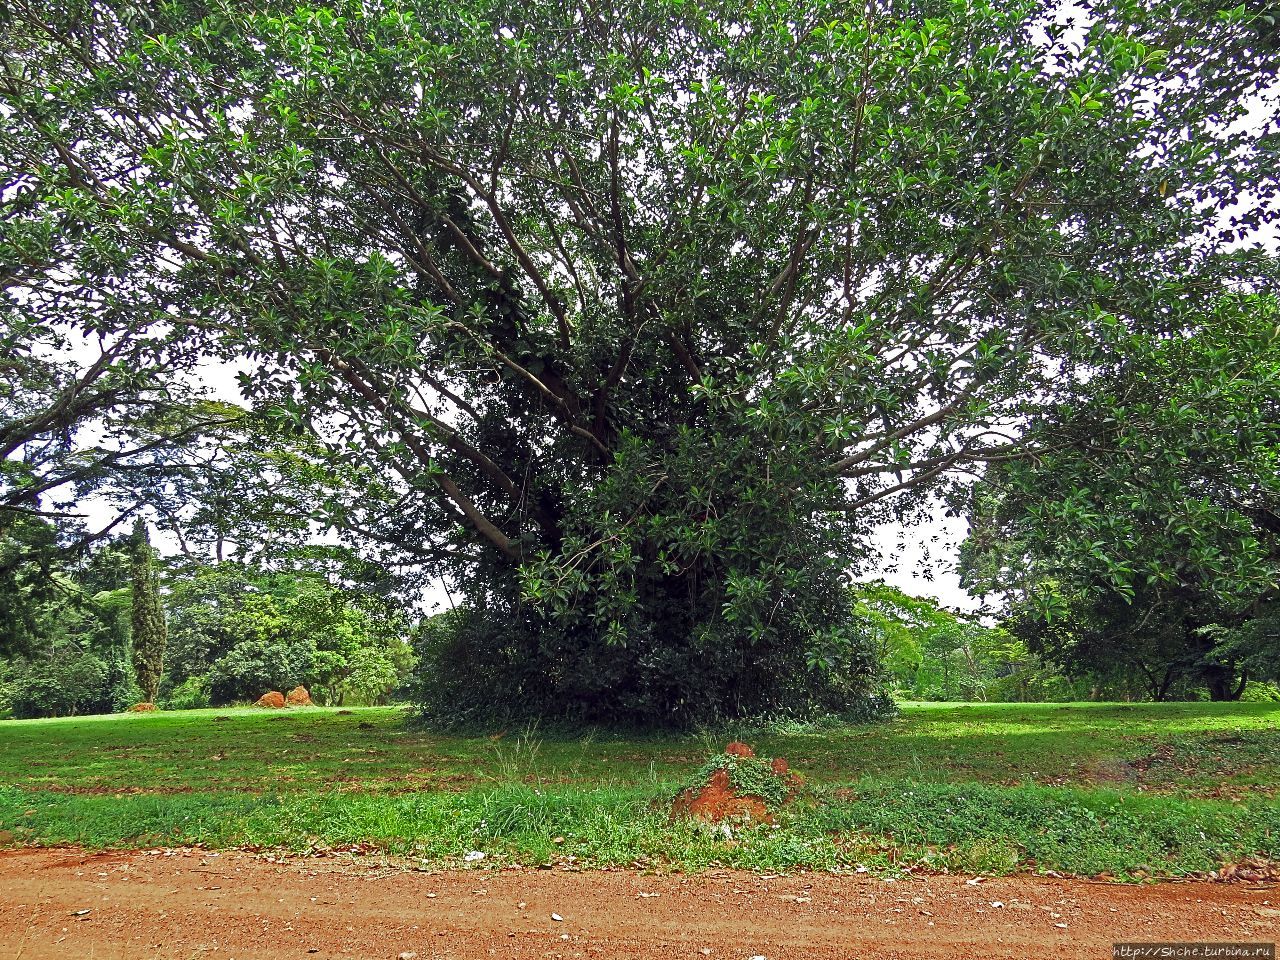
column 149, row 632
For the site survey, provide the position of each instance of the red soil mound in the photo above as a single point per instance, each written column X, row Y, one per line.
column 142, row 708
column 717, row 801
column 273, row 699
column 298, row 697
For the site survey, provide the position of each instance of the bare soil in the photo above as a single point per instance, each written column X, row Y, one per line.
column 193, row 903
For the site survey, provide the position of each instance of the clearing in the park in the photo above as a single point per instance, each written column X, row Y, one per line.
column 1128, row 791
column 254, row 817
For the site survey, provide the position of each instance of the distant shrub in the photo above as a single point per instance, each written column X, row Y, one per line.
column 1261, row 692
column 74, row 683
column 191, row 694
column 252, row 667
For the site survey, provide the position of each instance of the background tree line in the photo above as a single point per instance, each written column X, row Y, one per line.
column 234, row 631
column 933, row 654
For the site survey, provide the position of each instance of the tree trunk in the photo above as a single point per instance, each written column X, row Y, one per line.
column 1223, row 685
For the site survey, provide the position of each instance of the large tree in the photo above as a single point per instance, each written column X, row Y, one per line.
column 1143, row 543
column 650, row 314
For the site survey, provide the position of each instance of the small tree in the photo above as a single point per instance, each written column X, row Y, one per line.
column 149, row 633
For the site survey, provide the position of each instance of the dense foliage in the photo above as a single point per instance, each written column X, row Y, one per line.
column 71, row 622
column 1157, row 555
column 646, row 317
column 238, row 632
column 233, row 630
column 930, row 653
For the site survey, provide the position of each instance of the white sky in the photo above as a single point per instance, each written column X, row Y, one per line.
column 920, row 560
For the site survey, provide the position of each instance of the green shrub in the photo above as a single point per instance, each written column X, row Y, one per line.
column 1255, row 692
column 73, row 683
column 191, row 694
column 253, row 667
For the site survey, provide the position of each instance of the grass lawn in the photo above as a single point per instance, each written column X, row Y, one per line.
column 1118, row 789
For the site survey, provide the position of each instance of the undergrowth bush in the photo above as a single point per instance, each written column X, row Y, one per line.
column 479, row 669
column 191, row 694
column 74, row 683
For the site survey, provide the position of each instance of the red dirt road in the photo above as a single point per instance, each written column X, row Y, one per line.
column 193, row 904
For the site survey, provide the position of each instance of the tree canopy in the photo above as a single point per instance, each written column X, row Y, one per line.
column 648, row 315
column 1150, row 535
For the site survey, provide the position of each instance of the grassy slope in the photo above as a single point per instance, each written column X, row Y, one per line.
column 1129, row 790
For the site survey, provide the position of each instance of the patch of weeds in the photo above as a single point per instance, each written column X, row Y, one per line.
column 515, row 759
column 748, row 777
column 987, row 855
column 974, row 827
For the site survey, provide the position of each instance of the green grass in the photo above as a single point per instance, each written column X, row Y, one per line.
column 1128, row 790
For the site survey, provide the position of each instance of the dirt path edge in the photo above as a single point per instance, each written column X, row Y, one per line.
column 57, row 903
